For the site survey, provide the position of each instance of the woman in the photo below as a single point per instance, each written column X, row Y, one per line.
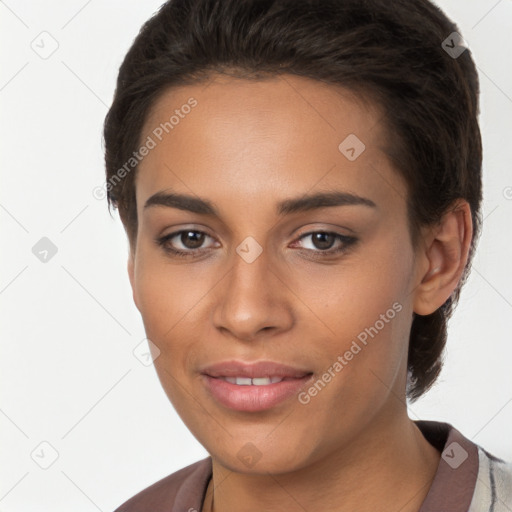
column 300, row 182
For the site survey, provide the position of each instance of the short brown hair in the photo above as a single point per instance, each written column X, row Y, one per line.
column 392, row 52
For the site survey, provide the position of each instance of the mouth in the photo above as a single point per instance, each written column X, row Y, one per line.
column 253, row 387
column 256, row 381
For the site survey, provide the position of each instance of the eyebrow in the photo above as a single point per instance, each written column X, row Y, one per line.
column 286, row 207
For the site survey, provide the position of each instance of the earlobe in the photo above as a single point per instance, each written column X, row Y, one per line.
column 446, row 252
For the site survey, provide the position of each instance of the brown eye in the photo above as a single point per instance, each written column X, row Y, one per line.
column 196, row 238
column 324, row 243
column 187, row 242
column 323, row 240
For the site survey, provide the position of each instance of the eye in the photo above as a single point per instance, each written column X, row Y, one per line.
column 191, row 241
column 323, row 242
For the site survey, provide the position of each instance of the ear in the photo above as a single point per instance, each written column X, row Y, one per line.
column 131, row 275
column 443, row 256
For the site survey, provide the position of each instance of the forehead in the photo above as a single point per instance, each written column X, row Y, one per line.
column 274, row 137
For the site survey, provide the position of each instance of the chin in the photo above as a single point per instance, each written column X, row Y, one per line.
column 249, row 459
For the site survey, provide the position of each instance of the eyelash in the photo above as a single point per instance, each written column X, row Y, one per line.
column 348, row 241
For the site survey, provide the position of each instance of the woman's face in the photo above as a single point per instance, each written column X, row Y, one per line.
column 325, row 287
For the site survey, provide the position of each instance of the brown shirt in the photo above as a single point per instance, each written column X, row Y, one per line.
column 452, row 489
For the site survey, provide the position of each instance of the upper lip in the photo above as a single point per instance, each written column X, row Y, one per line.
column 253, row 370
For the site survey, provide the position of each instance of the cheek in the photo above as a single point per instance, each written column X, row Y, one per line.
column 154, row 300
column 351, row 297
column 164, row 292
column 368, row 309
column 169, row 299
column 166, row 306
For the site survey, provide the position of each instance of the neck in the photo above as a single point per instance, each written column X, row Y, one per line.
column 388, row 467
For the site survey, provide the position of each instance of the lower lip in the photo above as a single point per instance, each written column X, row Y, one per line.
column 253, row 398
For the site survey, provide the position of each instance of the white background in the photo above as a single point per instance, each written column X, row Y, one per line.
column 69, row 327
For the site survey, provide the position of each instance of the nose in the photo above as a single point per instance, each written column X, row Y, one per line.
column 253, row 300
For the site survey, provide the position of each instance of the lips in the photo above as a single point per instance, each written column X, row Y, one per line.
column 258, row 370
column 252, row 387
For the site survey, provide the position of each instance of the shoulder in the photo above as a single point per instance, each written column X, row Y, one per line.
column 468, row 477
column 186, row 485
column 494, row 484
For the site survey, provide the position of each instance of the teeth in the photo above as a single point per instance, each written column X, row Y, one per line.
column 257, row 381
column 261, row 381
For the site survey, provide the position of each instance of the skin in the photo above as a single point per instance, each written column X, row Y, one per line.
column 245, row 147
